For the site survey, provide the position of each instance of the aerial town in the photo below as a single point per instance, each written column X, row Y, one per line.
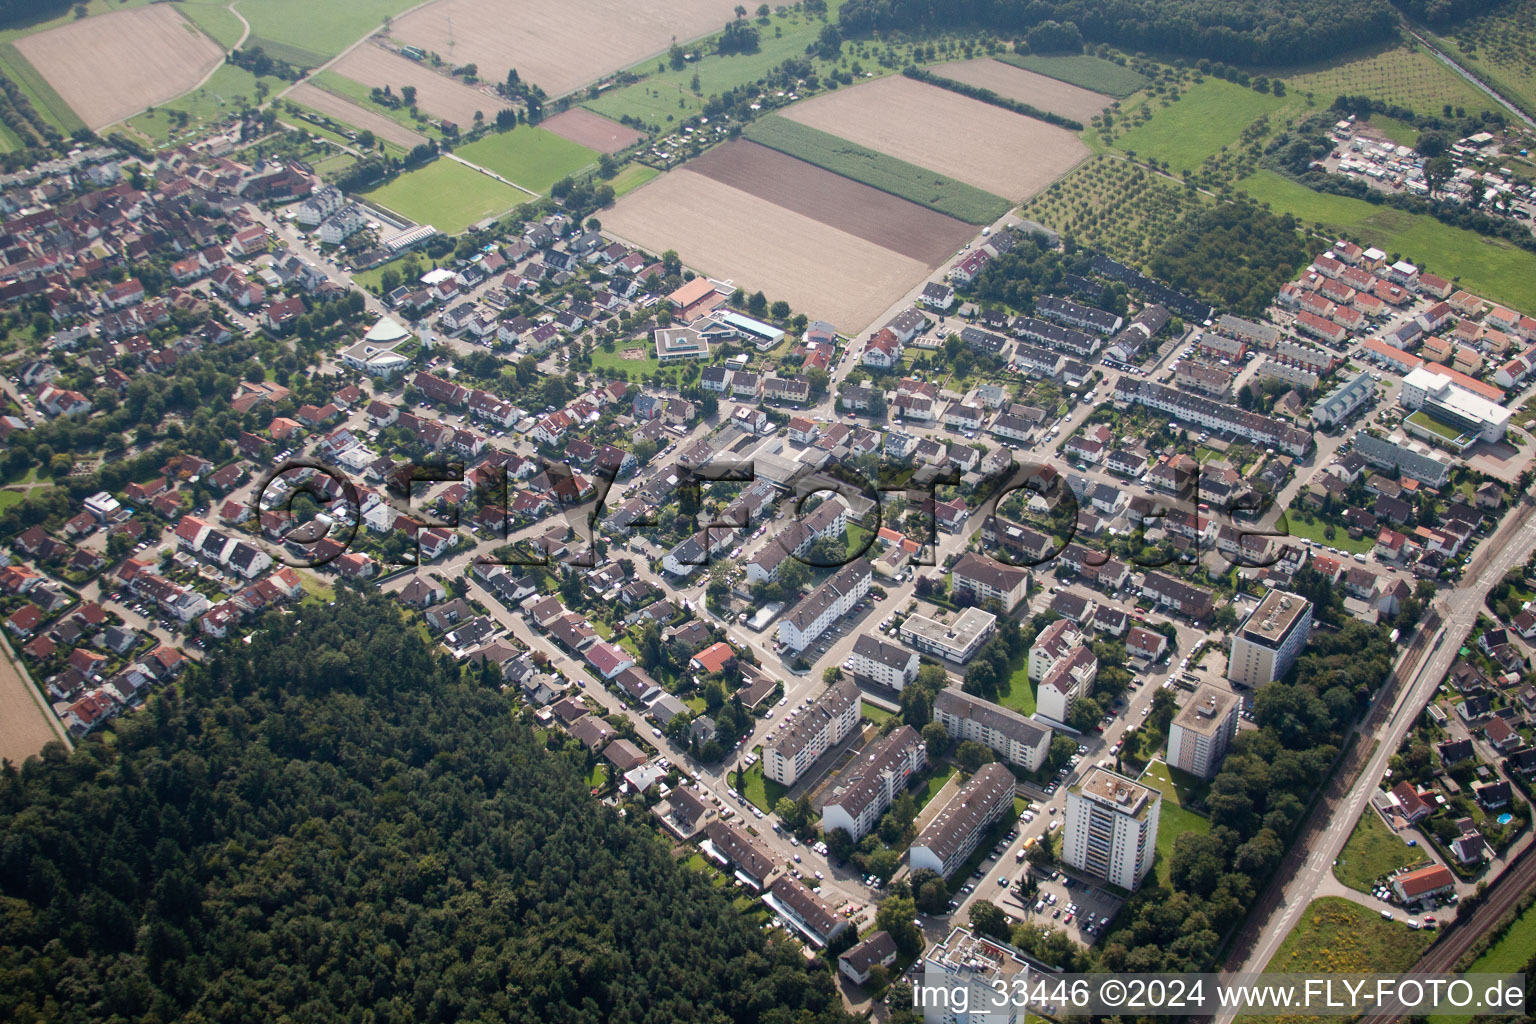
column 957, row 623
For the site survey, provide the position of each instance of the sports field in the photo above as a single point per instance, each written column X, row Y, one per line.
column 1205, row 119
column 1081, row 70
column 1037, row 90
column 112, row 66
column 354, row 114
column 438, row 95
column 959, row 137
column 306, row 33
column 559, row 47
column 532, row 157
column 594, row 131
column 819, row 270
column 1490, row 267
column 447, row 195
column 877, row 170
column 842, row 203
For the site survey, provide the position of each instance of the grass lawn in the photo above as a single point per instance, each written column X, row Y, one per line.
column 1427, row 422
column 11, row 498
column 932, row 784
column 532, row 157
column 1408, row 78
column 1400, row 132
column 317, row 588
column 1295, row 527
column 1021, row 692
column 631, row 178
column 597, row 776
column 447, row 195
column 1209, row 117
column 858, row 537
column 877, row 170
column 877, row 715
column 1492, row 268
column 1173, row 819
column 763, row 793
column 48, row 103
column 1373, row 850
column 1081, row 70
column 307, row 33
column 613, row 361
column 230, row 89
column 1337, row 935
column 1507, row 956
column 216, row 20
column 669, row 95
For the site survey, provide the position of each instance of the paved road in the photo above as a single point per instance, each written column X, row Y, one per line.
column 1509, row 546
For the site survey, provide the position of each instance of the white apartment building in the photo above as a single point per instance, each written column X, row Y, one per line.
column 1111, row 830
column 1017, row 739
column 952, row 835
column 1268, row 642
column 890, row 665
column 1202, row 731
column 1053, row 643
column 987, row 579
column 821, row 727
column 956, row 641
column 869, row 785
column 825, row 605
column 1069, row 680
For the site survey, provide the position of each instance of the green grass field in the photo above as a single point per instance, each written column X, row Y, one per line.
column 669, row 96
column 1400, row 132
column 631, row 178
column 216, row 20
column 1173, row 820
column 1500, row 47
column 532, row 157
column 447, row 195
column 877, row 715
column 886, row 173
column 1209, row 117
column 230, row 89
column 615, row 361
column 1408, row 78
column 1315, row 531
column 762, row 793
column 1081, row 70
column 1492, row 268
column 1337, row 935
column 362, row 95
column 1021, row 692
column 48, row 103
column 1373, row 850
column 932, row 784
column 306, row 33
column 1507, row 956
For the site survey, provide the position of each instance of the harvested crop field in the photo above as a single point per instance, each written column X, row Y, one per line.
column 1048, row 94
column 557, row 46
column 25, row 724
column 331, row 105
column 594, row 131
column 838, row 202
column 731, row 234
column 436, row 94
column 114, row 65
column 986, row 146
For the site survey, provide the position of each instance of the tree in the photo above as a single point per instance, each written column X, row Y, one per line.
column 930, row 891
column 988, row 919
column 1043, row 853
column 757, row 305
column 1437, row 171
column 779, row 310
column 408, row 95
column 831, row 674
column 936, row 738
column 971, row 755
column 839, row 843
column 897, row 915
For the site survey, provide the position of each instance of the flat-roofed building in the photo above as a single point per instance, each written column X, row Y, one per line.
column 888, row 664
column 955, row 641
column 822, row 726
column 1111, row 830
column 1268, row 642
column 1202, row 731
column 867, row 786
column 952, row 835
column 1453, row 404
column 967, row 969
column 1017, row 739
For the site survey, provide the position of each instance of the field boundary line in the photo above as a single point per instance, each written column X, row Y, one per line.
column 493, row 175
column 31, row 82
column 359, row 42
column 196, row 85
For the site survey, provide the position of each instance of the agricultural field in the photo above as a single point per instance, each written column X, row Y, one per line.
column 354, row 114
column 26, row 722
column 1113, row 205
column 631, row 178
column 1012, row 81
column 216, row 20
column 821, row 271
column 110, row 67
column 594, row 131
column 47, row 102
column 668, row 94
column 1408, row 77
column 559, row 47
column 886, row 173
column 842, row 203
column 962, row 138
column 25, row 24
column 1205, row 119
column 531, row 157
column 307, row 34
column 1373, row 850
column 1500, row 47
column 1082, row 70
column 438, row 95
column 1490, row 267
column 228, row 90
column 446, row 194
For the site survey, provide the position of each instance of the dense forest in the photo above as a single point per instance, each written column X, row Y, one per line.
column 329, row 825
column 1262, row 32
column 1235, row 255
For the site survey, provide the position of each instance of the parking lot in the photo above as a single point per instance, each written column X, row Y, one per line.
column 1080, row 909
